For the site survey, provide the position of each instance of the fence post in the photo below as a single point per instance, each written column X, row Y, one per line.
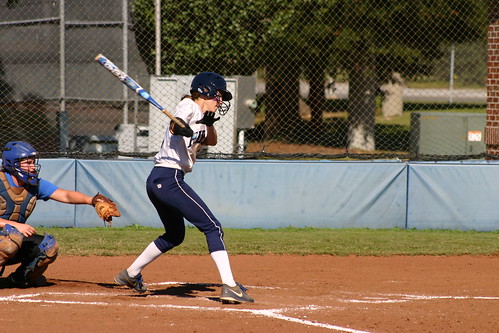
column 62, row 114
column 492, row 126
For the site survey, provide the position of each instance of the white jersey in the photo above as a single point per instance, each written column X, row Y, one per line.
column 179, row 152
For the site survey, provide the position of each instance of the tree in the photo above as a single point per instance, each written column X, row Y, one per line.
column 395, row 36
column 201, row 35
column 367, row 40
column 297, row 37
column 239, row 37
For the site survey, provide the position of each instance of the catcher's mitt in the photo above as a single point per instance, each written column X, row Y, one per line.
column 105, row 208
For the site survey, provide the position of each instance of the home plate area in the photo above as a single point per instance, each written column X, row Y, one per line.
column 292, row 294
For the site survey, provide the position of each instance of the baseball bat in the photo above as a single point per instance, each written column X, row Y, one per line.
column 130, row 83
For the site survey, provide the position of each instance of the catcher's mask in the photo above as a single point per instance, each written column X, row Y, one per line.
column 16, row 151
column 213, row 85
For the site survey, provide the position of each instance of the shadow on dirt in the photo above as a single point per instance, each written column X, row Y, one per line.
column 188, row 290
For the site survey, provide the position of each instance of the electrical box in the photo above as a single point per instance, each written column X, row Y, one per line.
column 447, row 133
column 132, row 138
column 168, row 91
column 93, row 143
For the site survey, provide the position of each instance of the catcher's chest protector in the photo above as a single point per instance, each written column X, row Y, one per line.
column 16, row 204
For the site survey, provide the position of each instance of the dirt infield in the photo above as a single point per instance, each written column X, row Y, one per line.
column 292, row 294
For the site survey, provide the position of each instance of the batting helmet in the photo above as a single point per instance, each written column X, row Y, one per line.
column 12, row 155
column 209, row 83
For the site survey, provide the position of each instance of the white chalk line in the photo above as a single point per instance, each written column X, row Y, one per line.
column 271, row 313
column 401, row 298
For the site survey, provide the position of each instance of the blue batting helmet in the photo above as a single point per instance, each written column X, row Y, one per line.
column 13, row 153
column 209, row 83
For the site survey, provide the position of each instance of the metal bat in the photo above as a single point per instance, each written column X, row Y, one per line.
column 130, row 83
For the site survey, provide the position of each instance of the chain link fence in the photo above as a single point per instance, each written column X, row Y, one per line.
column 310, row 79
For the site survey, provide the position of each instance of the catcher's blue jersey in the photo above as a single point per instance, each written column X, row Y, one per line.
column 20, row 211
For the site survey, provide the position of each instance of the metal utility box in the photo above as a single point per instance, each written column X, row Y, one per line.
column 168, row 91
column 93, row 143
column 132, row 138
column 447, row 133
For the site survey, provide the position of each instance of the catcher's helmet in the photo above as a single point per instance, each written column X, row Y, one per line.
column 13, row 153
column 210, row 84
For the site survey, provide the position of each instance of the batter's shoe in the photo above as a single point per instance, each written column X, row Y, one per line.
column 134, row 283
column 235, row 294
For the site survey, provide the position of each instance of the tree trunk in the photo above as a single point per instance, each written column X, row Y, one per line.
column 282, row 101
column 361, row 108
column 393, row 102
column 316, row 97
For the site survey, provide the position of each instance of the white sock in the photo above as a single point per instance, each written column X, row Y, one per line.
column 221, row 259
column 147, row 256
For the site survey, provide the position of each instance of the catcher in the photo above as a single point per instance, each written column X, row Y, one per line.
column 20, row 188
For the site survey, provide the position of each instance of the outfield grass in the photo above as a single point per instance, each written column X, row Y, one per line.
column 299, row 241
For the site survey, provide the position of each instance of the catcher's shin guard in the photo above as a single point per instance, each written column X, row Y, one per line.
column 10, row 242
column 49, row 249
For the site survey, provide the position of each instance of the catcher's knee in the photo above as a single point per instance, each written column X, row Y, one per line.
column 49, row 249
column 11, row 240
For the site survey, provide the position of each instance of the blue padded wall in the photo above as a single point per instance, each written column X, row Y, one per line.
column 274, row 194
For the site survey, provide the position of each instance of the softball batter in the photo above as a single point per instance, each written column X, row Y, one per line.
column 173, row 198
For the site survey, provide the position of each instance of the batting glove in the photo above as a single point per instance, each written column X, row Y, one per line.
column 208, row 119
column 176, row 129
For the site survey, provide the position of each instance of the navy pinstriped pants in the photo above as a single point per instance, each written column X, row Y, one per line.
column 175, row 200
